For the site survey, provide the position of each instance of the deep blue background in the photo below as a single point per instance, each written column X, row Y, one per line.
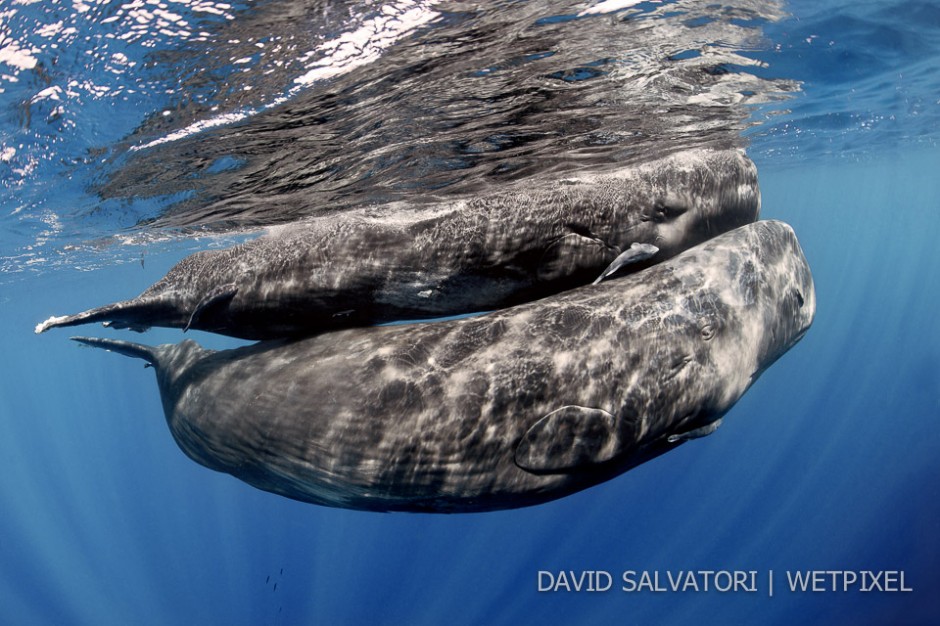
column 829, row 462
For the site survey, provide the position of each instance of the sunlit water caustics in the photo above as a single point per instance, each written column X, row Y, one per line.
column 134, row 133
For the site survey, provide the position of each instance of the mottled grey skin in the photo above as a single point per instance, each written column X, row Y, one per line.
column 485, row 253
column 503, row 410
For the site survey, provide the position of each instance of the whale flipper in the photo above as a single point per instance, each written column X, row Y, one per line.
column 570, row 438
column 634, row 254
column 695, row 433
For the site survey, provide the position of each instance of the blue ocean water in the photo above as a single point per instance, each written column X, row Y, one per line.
column 828, row 463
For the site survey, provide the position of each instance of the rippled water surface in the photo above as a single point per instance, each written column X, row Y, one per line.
column 134, row 132
column 222, row 117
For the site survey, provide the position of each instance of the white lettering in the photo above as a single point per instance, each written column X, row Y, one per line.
column 705, row 574
column 650, row 583
column 798, row 579
column 570, row 580
column 875, row 578
column 846, row 580
column 719, row 586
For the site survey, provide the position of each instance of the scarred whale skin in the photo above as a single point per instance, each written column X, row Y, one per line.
column 503, row 410
column 488, row 252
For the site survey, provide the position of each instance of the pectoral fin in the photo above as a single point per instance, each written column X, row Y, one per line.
column 634, row 254
column 571, row 254
column 218, row 298
column 570, row 438
column 695, row 433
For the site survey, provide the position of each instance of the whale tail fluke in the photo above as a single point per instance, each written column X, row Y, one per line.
column 127, row 348
column 134, row 314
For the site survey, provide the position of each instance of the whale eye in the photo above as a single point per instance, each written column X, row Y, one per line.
column 663, row 212
column 799, row 298
column 708, row 331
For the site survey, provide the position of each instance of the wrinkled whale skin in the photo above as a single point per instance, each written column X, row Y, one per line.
column 504, row 410
column 404, row 261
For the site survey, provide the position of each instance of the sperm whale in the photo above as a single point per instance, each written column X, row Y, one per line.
column 444, row 258
column 503, row 410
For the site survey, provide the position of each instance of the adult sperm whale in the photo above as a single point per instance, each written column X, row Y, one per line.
column 480, row 254
column 504, row 410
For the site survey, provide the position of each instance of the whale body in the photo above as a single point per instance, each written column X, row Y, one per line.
column 403, row 262
column 503, row 410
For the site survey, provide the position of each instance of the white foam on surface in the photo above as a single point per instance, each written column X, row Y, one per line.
column 609, row 6
column 338, row 56
column 366, row 44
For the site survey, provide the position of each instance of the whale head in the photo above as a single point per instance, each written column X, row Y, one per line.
column 766, row 287
column 790, row 313
column 701, row 194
